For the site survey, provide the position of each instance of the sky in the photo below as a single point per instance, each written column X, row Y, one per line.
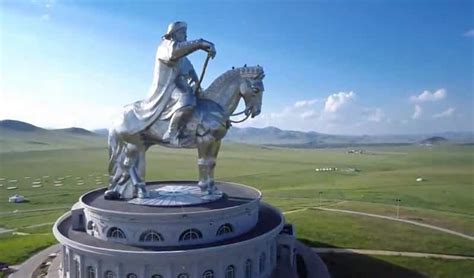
column 340, row 67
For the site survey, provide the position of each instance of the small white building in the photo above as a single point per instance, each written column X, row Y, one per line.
column 16, row 199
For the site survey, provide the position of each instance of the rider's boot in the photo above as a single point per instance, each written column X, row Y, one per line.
column 177, row 123
column 171, row 135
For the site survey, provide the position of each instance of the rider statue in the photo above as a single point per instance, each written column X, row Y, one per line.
column 175, row 83
column 174, row 115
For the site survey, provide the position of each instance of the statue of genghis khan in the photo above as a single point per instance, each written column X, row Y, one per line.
column 173, row 115
column 175, row 82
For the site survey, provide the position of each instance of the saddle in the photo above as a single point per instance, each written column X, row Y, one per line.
column 207, row 119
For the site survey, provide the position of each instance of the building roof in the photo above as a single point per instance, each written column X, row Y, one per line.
column 234, row 195
column 269, row 219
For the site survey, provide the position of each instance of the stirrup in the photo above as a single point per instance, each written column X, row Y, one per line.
column 166, row 137
column 174, row 141
column 170, row 138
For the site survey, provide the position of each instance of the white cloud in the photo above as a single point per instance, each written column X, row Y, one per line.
column 376, row 115
column 309, row 114
column 417, row 113
column 301, row 115
column 56, row 113
column 445, row 114
column 347, row 113
column 469, row 33
column 336, row 101
column 47, row 6
column 305, row 103
column 428, row 96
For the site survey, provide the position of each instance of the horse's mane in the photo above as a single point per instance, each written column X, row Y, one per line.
column 251, row 72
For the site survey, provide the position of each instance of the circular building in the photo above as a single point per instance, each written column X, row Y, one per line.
column 176, row 235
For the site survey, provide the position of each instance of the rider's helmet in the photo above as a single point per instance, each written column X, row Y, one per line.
column 173, row 27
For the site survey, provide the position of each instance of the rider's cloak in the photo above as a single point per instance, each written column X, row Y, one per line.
column 148, row 110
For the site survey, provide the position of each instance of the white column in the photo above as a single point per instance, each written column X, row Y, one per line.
column 145, row 271
column 219, row 272
column 255, row 262
column 63, row 261
column 194, row 270
column 70, row 262
column 168, row 271
column 99, row 269
column 82, row 266
column 119, row 270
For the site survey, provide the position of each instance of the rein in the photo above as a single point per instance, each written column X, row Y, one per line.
column 240, row 113
column 198, row 85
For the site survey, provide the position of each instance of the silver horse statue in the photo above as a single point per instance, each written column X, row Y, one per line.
column 204, row 130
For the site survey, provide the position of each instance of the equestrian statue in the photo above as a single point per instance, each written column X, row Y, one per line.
column 179, row 113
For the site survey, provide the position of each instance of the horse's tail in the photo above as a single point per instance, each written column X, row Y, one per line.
column 115, row 149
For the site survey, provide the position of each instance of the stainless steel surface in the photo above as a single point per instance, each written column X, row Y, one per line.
column 174, row 116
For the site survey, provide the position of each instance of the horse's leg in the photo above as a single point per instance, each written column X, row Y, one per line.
column 215, row 146
column 141, row 163
column 126, row 163
column 116, row 147
column 138, row 173
column 204, row 165
column 207, row 152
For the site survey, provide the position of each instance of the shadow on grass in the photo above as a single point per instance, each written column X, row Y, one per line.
column 358, row 265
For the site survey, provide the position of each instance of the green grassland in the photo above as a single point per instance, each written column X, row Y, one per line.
column 288, row 180
column 343, row 230
column 42, row 139
column 355, row 265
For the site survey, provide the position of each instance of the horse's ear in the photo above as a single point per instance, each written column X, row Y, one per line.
column 245, row 65
column 233, row 67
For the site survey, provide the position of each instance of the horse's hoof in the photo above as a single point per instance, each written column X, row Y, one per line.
column 203, row 186
column 111, row 195
column 211, row 190
column 142, row 195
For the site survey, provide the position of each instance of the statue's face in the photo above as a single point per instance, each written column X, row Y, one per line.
column 180, row 35
column 252, row 91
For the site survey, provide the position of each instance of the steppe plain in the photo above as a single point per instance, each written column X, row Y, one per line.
column 288, row 180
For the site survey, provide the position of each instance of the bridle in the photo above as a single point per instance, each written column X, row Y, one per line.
column 246, row 110
column 247, row 113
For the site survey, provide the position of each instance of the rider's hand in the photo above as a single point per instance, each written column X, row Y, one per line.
column 212, row 51
column 209, row 47
column 197, row 90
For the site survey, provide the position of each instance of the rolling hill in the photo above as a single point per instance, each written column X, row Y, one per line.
column 435, row 140
column 20, row 136
column 299, row 139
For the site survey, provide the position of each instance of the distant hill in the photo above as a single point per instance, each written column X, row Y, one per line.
column 291, row 138
column 21, row 136
column 268, row 135
column 102, row 131
column 18, row 126
column 17, row 136
column 299, row 139
column 435, row 140
column 77, row 131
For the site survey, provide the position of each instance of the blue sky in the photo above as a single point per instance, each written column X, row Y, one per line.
column 345, row 67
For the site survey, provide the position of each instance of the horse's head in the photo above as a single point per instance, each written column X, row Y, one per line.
column 251, row 89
